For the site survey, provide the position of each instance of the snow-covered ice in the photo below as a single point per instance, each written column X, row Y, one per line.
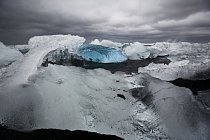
column 101, row 54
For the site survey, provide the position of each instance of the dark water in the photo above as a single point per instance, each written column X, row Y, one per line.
column 53, row 134
column 129, row 66
column 193, row 85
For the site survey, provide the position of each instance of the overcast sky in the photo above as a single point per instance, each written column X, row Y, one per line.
column 117, row 20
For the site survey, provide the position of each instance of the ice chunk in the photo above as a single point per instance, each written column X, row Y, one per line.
column 69, row 41
column 184, row 50
column 188, row 60
column 16, row 105
column 101, row 54
column 94, row 107
column 8, row 55
column 178, row 69
column 137, row 51
column 176, row 106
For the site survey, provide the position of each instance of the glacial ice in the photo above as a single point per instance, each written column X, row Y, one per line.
column 22, row 48
column 57, row 100
column 137, row 51
column 134, row 51
column 188, row 59
column 101, row 54
column 41, row 45
column 176, row 106
column 8, row 55
column 108, row 43
column 52, row 97
column 68, row 41
column 179, row 69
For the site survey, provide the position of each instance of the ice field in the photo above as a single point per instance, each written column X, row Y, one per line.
column 142, row 105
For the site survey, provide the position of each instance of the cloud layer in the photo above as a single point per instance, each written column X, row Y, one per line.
column 118, row 20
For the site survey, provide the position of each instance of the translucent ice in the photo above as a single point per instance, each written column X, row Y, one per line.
column 101, row 54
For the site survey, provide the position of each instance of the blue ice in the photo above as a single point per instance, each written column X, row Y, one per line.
column 101, row 54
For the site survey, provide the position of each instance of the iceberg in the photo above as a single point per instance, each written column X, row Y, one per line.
column 101, row 54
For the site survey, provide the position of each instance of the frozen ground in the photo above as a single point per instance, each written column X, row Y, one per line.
column 137, row 106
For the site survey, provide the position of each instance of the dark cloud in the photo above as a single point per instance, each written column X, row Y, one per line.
column 119, row 20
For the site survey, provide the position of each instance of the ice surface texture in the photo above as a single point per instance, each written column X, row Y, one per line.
column 134, row 51
column 137, row 51
column 176, row 107
column 101, row 54
column 108, row 43
column 188, row 59
column 52, row 97
column 8, row 55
